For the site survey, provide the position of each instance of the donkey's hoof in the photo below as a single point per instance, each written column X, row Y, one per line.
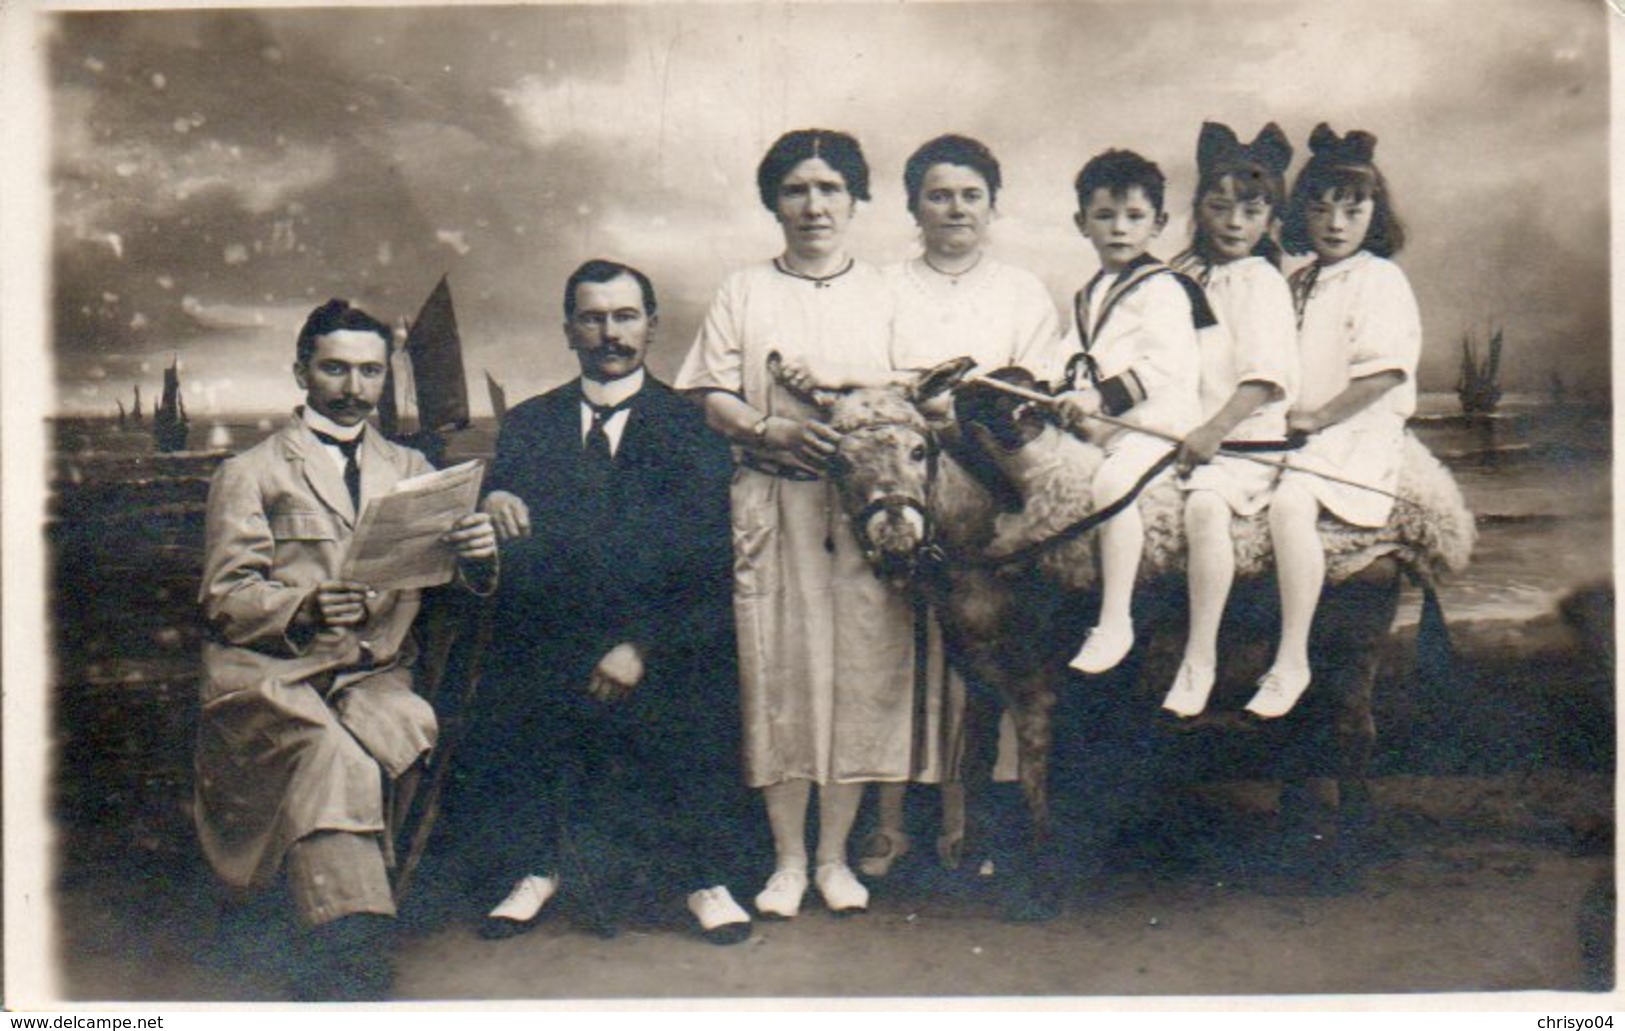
column 951, row 850
column 880, row 851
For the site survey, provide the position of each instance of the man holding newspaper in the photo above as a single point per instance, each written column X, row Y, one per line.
column 308, row 713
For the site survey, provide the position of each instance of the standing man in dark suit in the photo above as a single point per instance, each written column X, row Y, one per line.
column 608, row 737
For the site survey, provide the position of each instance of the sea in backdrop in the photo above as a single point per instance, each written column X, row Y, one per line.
column 125, row 528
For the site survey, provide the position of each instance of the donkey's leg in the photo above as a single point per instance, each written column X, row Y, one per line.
column 1037, row 891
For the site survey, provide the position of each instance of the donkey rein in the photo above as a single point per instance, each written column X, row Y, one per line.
column 1244, row 450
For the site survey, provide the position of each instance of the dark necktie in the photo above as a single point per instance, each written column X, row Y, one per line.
column 352, row 465
column 596, row 445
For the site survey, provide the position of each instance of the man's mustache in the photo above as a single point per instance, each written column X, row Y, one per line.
column 608, row 351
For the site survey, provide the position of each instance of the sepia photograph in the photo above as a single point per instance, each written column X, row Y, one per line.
column 986, row 502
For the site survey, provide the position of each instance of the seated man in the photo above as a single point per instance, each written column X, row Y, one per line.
column 308, row 713
column 605, row 751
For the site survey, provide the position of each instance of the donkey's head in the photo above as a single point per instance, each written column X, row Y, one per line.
column 884, row 465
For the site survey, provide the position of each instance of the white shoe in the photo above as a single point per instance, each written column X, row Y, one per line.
column 1103, row 649
column 880, row 850
column 1192, row 685
column 842, row 891
column 782, row 896
column 1278, row 692
column 722, row 921
column 519, row 912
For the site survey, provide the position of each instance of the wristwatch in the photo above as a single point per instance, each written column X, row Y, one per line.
column 758, row 432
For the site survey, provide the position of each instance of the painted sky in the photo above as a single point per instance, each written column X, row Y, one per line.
column 215, row 174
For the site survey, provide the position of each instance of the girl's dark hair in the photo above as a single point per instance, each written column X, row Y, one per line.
column 837, row 149
column 1251, row 181
column 1345, row 168
column 951, row 150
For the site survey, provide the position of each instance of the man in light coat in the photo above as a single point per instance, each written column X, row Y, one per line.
column 308, row 712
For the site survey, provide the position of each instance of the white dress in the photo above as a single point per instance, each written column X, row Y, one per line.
column 826, row 650
column 997, row 314
column 1356, row 318
column 1256, row 340
column 1000, row 316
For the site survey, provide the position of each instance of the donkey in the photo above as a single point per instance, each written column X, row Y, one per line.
column 985, row 516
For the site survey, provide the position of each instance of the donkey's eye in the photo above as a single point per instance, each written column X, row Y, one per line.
column 918, row 454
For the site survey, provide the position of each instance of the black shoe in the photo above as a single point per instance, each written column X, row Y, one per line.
column 346, row 960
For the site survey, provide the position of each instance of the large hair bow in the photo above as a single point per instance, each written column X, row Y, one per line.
column 1357, row 148
column 1217, row 145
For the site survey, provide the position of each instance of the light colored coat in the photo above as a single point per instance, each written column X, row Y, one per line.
column 294, row 726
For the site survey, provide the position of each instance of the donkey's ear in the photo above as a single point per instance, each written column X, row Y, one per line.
column 943, row 377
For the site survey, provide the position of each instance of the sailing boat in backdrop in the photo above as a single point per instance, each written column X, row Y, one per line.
column 426, row 379
column 499, row 397
column 169, row 423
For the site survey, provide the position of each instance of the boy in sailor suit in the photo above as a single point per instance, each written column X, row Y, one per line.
column 1135, row 360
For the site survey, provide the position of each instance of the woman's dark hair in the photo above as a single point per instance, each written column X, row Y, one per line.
column 838, row 150
column 1251, row 181
column 332, row 317
column 1345, row 168
column 951, row 150
column 1117, row 172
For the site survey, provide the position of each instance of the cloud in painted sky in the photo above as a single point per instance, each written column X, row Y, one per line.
column 258, row 162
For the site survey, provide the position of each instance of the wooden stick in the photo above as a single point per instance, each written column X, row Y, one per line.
column 1274, row 463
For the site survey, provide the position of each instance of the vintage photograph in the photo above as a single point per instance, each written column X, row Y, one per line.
column 812, row 500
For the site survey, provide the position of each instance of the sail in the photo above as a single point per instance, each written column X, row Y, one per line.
column 389, row 414
column 169, row 416
column 499, row 398
column 437, row 363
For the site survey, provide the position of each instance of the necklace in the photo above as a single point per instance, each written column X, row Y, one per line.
column 818, row 282
column 952, row 277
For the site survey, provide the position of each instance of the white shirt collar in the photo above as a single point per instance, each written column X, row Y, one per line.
column 322, row 424
column 1344, row 267
column 614, row 391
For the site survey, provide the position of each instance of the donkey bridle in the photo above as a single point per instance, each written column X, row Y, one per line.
column 895, row 502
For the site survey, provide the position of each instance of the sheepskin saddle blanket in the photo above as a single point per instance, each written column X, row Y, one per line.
column 1429, row 529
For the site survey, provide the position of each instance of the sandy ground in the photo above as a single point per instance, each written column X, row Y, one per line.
column 1468, row 884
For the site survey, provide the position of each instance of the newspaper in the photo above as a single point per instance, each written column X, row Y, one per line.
column 397, row 541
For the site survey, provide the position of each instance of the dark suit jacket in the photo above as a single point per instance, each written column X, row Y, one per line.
column 643, row 554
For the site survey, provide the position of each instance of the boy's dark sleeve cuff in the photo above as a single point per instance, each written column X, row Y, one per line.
column 1120, row 393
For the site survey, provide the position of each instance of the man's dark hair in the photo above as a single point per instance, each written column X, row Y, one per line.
column 837, row 150
column 1117, row 172
column 599, row 270
column 332, row 317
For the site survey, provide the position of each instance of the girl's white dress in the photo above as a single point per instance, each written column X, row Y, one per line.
column 1355, row 319
column 826, row 650
column 999, row 315
column 1256, row 340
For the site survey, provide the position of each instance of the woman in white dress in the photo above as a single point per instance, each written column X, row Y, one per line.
column 955, row 300
column 826, row 649
column 952, row 301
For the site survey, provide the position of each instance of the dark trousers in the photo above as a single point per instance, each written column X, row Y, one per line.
column 638, row 799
